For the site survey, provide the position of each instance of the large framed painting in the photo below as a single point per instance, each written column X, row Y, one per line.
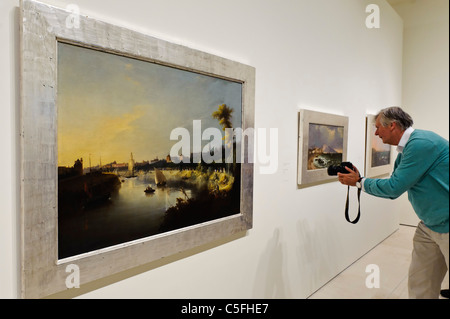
column 322, row 142
column 378, row 155
column 132, row 148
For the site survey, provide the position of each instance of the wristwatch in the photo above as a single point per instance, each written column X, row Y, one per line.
column 358, row 183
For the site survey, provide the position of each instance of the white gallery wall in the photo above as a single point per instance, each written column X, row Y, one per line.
column 313, row 54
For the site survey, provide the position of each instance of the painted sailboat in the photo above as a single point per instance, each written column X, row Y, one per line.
column 160, row 179
column 131, row 164
column 149, row 190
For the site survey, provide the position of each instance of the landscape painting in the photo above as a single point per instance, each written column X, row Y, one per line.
column 378, row 154
column 381, row 153
column 322, row 142
column 325, row 145
column 134, row 151
column 117, row 178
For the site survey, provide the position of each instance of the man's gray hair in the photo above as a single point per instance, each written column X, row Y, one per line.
column 397, row 115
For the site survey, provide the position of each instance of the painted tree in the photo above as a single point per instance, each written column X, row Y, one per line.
column 223, row 115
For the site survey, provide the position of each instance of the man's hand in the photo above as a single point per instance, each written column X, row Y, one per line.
column 351, row 178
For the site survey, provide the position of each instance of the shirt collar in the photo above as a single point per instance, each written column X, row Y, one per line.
column 404, row 139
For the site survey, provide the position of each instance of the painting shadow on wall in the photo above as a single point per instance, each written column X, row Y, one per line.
column 269, row 278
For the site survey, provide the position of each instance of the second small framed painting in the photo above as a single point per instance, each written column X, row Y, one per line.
column 322, row 142
column 378, row 155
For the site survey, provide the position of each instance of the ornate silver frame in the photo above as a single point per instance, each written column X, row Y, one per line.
column 42, row 26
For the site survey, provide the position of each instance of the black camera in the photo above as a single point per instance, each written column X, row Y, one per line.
column 335, row 169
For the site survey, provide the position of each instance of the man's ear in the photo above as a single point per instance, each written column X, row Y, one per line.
column 393, row 126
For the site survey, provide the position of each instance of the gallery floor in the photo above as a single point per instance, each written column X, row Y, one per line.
column 392, row 256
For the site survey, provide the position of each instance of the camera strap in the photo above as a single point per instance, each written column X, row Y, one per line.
column 359, row 207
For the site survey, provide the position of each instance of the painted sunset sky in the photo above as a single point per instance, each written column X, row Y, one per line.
column 110, row 105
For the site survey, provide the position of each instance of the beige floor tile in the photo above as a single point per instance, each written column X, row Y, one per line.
column 392, row 257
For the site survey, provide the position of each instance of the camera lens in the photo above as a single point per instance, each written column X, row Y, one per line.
column 332, row 170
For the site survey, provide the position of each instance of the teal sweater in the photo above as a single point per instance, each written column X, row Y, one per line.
column 422, row 169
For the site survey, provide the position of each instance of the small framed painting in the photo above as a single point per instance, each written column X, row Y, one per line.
column 378, row 155
column 322, row 142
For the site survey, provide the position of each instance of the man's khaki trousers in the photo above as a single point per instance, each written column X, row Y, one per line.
column 429, row 263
